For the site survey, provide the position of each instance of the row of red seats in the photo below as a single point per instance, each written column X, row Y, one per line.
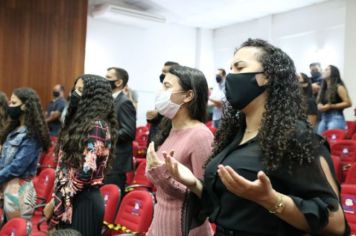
column 333, row 135
column 343, row 150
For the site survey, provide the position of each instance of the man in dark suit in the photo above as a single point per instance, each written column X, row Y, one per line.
column 126, row 116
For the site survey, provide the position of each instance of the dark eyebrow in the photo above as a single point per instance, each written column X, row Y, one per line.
column 239, row 63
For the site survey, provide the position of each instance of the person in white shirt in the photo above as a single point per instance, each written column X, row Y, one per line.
column 217, row 97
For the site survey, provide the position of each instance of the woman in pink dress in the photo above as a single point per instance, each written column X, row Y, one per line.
column 183, row 102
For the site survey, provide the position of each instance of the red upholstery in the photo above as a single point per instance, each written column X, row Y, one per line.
column 140, row 180
column 111, row 195
column 350, row 128
column 39, row 234
column 130, row 177
column 346, row 150
column 338, row 168
column 213, row 130
column 48, row 160
column 353, row 137
column 348, row 201
column 135, row 213
column 16, row 226
column 43, row 184
column 351, row 175
column 333, row 135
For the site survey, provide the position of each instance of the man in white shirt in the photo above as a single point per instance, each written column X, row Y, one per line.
column 217, row 97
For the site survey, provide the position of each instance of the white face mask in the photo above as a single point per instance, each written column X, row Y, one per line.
column 165, row 106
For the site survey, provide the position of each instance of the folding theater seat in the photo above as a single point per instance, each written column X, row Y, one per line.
column 135, row 214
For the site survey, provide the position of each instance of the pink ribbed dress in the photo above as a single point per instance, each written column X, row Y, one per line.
column 192, row 148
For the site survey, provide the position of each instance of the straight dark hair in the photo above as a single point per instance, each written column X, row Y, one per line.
column 189, row 79
column 328, row 94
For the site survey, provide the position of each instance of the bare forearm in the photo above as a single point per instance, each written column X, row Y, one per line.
column 293, row 216
column 53, row 116
column 340, row 105
column 290, row 214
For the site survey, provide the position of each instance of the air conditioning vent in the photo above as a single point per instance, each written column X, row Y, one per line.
column 125, row 16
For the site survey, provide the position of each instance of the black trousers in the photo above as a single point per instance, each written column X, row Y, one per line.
column 88, row 213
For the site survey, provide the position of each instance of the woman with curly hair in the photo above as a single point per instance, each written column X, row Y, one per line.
column 183, row 102
column 333, row 98
column 3, row 109
column 84, row 148
column 22, row 140
column 269, row 174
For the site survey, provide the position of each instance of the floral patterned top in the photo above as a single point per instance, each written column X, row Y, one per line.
column 71, row 181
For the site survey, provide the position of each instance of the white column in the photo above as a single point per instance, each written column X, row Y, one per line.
column 350, row 56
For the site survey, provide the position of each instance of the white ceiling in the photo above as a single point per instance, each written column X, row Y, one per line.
column 211, row 13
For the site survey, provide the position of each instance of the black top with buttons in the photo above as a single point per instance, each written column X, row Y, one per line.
column 307, row 186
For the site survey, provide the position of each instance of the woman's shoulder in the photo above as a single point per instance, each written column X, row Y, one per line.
column 201, row 131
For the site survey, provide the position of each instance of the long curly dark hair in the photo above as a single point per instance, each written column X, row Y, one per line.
column 328, row 94
column 3, row 107
column 33, row 116
column 96, row 103
column 189, row 79
column 278, row 136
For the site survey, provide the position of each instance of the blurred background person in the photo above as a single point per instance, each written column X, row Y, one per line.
column 333, row 98
column 315, row 77
column 55, row 109
column 153, row 117
column 309, row 99
column 217, row 97
column 23, row 140
column 3, row 109
column 126, row 118
column 132, row 95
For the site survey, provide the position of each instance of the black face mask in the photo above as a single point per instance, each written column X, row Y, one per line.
column 242, row 88
column 112, row 84
column 74, row 100
column 315, row 74
column 218, row 79
column 161, row 77
column 14, row 112
column 55, row 94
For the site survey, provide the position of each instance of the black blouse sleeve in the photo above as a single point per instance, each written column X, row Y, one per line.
column 310, row 190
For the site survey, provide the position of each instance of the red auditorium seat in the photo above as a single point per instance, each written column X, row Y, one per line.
column 350, row 128
column 337, row 167
column 111, row 196
column 135, row 214
column 353, row 137
column 140, row 180
column 48, row 160
column 348, row 201
column 43, row 184
column 351, row 175
column 346, row 150
column 333, row 135
column 15, row 226
column 140, row 143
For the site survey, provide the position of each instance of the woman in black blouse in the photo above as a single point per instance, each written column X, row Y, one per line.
column 269, row 174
